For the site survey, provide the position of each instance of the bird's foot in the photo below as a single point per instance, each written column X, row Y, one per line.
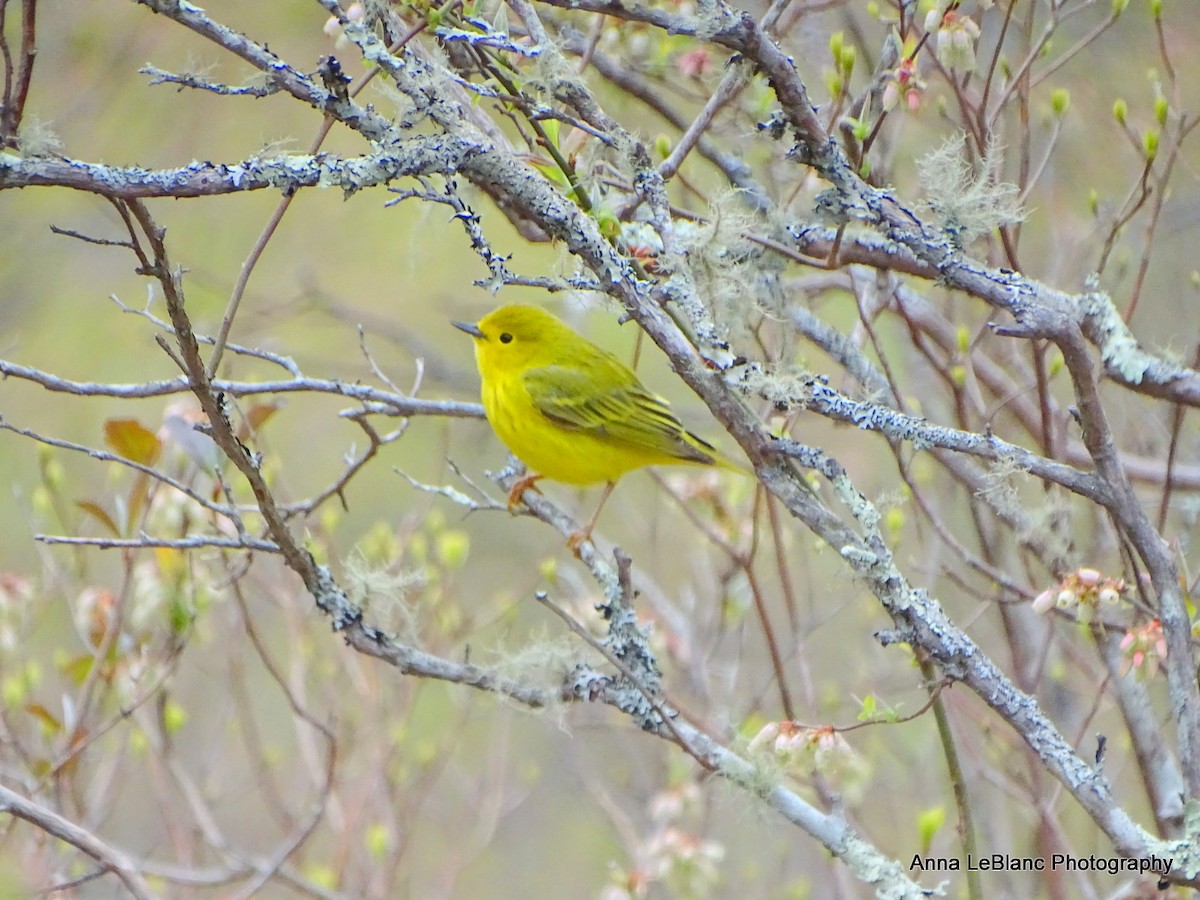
column 526, row 483
column 576, row 540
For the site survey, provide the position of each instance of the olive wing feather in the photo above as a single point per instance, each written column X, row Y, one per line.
column 613, row 404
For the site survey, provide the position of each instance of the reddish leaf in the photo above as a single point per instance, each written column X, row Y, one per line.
column 132, row 440
column 138, row 495
column 258, row 414
column 51, row 724
column 97, row 512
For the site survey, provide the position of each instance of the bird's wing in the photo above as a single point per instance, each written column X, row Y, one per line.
column 624, row 412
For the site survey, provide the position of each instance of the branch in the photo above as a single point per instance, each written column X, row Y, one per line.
column 813, row 393
column 403, row 158
column 67, row 831
column 921, row 618
column 1040, row 308
column 104, row 456
column 199, row 83
column 1164, row 574
column 380, row 402
column 197, row 542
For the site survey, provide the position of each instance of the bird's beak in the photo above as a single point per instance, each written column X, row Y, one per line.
column 470, row 328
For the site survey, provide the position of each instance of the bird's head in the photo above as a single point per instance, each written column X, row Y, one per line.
column 514, row 338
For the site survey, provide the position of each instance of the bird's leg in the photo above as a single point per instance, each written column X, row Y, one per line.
column 585, row 533
column 523, row 484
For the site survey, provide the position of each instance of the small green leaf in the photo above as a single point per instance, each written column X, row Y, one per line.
column 837, row 41
column 858, row 127
column 321, row 875
column 846, row 60
column 174, row 716
column 606, row 218
column 78, row 668
column 452, row 548
column 378, row 840
column 866, row 711
column 13, row 691
column 552, row 171
column 963, row 338
column 1150, row 144
column 54, row 477
column 1060, row 99
column 929, row 823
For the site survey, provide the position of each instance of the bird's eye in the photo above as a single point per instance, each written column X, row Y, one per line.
column 506, row 338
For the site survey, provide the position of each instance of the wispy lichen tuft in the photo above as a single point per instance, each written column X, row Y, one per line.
column 784, row 386
column 1000, row 491
column 540, row 661
column 385, row 592
column 37, row 139
column 736, row 276
column 966, row 198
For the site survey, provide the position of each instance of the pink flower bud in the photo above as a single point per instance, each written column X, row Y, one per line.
column 1043, row 602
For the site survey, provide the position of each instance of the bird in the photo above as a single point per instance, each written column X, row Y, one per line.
column 570, row 410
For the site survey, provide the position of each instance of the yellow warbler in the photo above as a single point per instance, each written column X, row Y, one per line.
column 571, row 411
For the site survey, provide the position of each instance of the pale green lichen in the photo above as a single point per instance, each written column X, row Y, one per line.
column 1118, row 347
column 37, row 139
column 968, row 200
column 858, row 555
column 999, row 488
column 885, row 874
column 385, row 591
column 782, row 386
column 714, row 18
column 736, row 277
column 540, row 660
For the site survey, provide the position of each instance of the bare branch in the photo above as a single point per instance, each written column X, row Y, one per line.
column 67, row 831
column 288, row 174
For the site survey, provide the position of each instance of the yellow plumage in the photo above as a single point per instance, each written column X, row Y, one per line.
column 571, row 411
